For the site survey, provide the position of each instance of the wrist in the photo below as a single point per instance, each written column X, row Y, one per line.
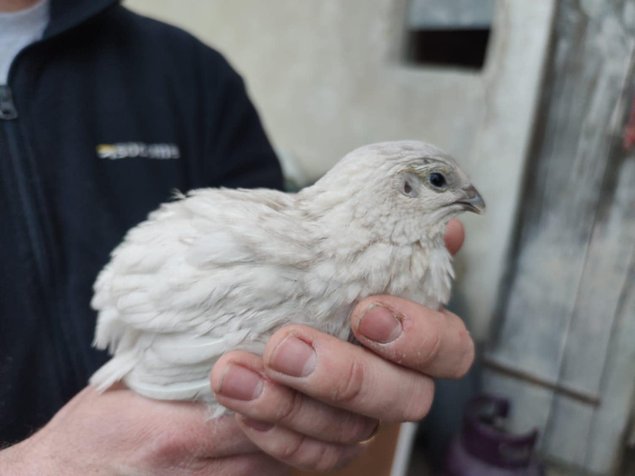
column 22, row 459
column 13, row 460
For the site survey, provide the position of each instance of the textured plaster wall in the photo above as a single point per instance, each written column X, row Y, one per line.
column 329, row 75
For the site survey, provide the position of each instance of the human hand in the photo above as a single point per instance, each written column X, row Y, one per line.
column 121, row 433
column 311, row 398
column 315, row 420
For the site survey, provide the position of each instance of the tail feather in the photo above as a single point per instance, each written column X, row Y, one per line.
column 113, row 371
column 188, row 390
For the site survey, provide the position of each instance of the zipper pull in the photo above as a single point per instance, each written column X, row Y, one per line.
column 7, row 106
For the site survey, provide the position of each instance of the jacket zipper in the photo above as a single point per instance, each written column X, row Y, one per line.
column 37, row 237
column 9, row 113
column 7, row 107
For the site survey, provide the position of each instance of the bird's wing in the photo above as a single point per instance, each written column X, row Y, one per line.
column 216, row 270
column 198, row 265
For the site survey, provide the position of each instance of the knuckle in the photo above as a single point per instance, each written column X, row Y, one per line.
column 292, row 450
column 462, row 346
column 467, row 356
column 432, row 342
column 355, row 428
column 166, row 448
column 324, row 457
column 304, row 453
column 287, row 411
column 321, row 460
column 349, row 389
column 344, row 455
column 420, row 402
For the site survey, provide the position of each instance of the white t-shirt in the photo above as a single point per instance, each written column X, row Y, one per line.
column 19, row 29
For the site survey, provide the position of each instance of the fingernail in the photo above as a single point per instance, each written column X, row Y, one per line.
column 240, row 383
column 293, row 357
column 379, row 324
column 257, row 424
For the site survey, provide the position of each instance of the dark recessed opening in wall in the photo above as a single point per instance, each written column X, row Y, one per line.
column 462, row 48
column 450, row 33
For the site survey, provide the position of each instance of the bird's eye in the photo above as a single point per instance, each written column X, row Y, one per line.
column 437, row 180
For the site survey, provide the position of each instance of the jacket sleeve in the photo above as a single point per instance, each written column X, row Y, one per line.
column 242, row 154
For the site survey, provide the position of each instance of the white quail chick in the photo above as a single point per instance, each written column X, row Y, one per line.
column 222, row 269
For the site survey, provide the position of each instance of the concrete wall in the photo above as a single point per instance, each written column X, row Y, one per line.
column 329, row 75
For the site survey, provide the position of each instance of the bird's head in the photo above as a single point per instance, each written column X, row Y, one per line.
column 406, row 189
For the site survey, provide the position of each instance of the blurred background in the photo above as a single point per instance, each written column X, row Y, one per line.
column 536, row 100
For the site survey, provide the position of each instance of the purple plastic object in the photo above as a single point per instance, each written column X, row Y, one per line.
column 484, row 448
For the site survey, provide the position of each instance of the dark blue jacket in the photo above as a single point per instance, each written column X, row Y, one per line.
column 103, row 118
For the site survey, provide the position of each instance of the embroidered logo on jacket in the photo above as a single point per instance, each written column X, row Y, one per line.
column 127, row 150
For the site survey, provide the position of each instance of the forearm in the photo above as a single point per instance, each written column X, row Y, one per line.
column 13, row 461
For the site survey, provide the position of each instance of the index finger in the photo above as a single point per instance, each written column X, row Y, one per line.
column 436, row 343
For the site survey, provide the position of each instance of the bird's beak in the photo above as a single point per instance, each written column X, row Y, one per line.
column 472, row 200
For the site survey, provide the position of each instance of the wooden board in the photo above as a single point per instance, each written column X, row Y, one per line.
column 568, row 306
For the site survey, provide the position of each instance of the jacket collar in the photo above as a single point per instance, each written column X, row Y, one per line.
column 66, row 14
